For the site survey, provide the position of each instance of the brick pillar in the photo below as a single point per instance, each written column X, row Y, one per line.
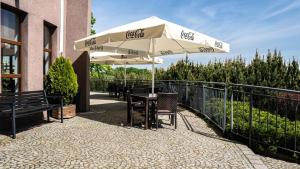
column 78, row 15
column 81, row 67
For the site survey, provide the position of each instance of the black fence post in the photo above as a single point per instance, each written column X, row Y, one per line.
column 250, row 117
column 225, row 113
column 231, row 111
column 203, row 98
column 186, row 93
column 295, row 129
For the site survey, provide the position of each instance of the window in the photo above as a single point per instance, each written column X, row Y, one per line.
column 47, row 48
column 10, row 51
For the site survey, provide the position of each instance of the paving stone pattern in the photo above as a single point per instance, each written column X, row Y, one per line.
column 100, row 139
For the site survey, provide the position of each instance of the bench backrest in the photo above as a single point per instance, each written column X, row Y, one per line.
column 24, row 100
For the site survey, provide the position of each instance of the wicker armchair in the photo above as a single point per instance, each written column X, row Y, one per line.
column 140, row 90
column 120, row 90
column 133, row 107
column 111, row 87
column 166, row 105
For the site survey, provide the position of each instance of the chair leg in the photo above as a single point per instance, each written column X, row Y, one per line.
column 128, row 115
column 131, row 117
column 13, row 124
column 175, row 120
column 156, row 118
column 48, row 115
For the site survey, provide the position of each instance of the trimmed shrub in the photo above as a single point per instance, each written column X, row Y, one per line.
column 269, row 130
column 62, row 80
column 266, row 127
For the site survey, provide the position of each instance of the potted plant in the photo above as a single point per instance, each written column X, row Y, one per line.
column 62, row 80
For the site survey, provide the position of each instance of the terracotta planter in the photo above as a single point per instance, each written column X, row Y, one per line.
column 69, row 112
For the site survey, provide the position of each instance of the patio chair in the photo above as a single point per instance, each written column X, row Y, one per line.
column 121, row 91
column 133, row 107
column 140, row 90
column 166, row 105
column 111, row 87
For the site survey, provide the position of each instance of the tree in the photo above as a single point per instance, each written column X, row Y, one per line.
column 93, row 21
column 292, row 78
column 271, row 71
column 62, row 80
column 100, row 71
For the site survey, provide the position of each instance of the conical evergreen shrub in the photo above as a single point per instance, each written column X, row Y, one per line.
column 62, row 80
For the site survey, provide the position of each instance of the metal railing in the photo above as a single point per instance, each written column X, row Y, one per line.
column 200, row 97
column 268, row 118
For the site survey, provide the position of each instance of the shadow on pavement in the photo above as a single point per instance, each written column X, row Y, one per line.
column 110, row 110
column 22, row 124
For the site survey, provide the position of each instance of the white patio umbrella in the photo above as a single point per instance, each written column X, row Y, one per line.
column 152, row 37
column 121, row 59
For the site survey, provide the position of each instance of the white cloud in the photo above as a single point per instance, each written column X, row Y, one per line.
column 278, row 10
column 209, row 11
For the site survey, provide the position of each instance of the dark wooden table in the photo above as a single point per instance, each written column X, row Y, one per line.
column 146, row 98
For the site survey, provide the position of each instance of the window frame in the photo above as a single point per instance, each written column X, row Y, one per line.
column 51, row 28
column 21, row 16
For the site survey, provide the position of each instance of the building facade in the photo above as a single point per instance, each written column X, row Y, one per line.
column 33, row 34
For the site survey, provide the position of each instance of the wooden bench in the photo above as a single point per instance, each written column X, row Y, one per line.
column 21, row 104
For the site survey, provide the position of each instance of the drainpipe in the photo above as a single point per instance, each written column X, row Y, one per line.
column 61, row 31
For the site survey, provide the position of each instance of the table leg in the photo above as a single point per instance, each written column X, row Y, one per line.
column 147, row 114
column 128, row 113
column 151, row 113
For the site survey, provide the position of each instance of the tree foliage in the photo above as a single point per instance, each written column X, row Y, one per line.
column 271, row 71
column 93, row 21
column 100, row 71
column 106, row 72
column 62, row 80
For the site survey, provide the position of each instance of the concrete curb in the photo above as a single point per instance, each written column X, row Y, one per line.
column 254, row 159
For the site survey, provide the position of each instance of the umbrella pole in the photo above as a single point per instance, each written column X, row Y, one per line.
column 125, row 74
column 186, row 64
column 152, row 42
column 153, row 74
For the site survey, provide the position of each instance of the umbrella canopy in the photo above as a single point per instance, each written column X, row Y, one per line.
column 151, row 37
column 120, row 59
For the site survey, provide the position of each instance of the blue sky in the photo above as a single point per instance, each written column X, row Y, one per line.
column 245, row 25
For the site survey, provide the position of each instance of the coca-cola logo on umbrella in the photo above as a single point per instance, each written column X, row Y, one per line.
column 90, row 42
column 123, row 57
column 166, row 52
column 133, row 52
column 206, row 50
column 134, row 34
column 218, row 44
column 187, row 35
column 96, row 48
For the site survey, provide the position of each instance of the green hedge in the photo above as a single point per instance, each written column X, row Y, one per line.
column 264, row 128
column 270, row 136
column 98, row 85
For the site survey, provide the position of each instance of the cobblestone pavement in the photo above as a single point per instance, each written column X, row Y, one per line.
column 274, row 163
column 98, row 139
